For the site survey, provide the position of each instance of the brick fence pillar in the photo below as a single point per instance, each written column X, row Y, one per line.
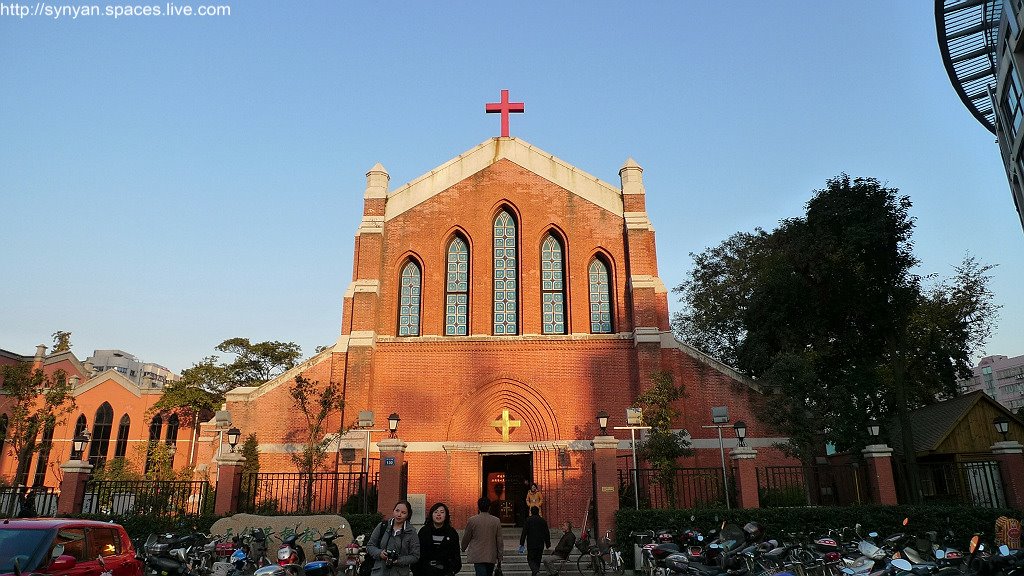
column 607, row 469
column 229, row 483
column 883, row 487
column 389, row 487
column 72, row 487
column 1010, row 455
column 746, row 477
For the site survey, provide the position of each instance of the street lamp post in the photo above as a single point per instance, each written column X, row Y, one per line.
column 1002, row 424
column 233, row 435
column 634, row 420
column 741, row 432
column 78, row 446
column 393, row 421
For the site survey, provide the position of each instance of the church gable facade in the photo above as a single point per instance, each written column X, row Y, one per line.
column 497, row 304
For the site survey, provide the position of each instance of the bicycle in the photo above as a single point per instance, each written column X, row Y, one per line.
column 590, row 561
column 598, row 560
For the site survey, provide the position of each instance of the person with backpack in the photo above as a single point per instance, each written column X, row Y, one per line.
column 393, row 546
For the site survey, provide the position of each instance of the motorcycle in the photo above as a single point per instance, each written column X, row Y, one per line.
column 166, row 554
column 354, row 555
column 325, row 556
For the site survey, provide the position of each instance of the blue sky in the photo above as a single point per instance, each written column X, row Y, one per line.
column 170, row 182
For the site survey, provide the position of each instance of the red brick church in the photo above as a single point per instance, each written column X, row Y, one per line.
column 497, row 304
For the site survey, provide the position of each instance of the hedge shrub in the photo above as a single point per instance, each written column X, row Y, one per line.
column 883, row 519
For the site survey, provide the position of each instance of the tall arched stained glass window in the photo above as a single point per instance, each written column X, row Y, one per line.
column 600, row 300
column 552, row 286
column 121, row 445
column 456, row 289
column 506, row 313
column 101, row 434
column 409, row 304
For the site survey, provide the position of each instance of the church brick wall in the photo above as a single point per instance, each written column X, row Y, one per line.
column 450, row 390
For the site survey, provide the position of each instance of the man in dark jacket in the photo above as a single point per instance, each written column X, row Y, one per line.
column 562, row 550
column 536, row 537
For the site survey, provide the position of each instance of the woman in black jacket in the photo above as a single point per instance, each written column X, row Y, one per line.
column 440, row 554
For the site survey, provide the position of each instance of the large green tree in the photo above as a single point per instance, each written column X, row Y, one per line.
column 202, row 387
column 827, row 313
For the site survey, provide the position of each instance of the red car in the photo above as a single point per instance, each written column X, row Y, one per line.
column 66, row 547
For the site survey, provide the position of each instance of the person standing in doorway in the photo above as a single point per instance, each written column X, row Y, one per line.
column 481, row 541
column 534, row 497
column 536, row 537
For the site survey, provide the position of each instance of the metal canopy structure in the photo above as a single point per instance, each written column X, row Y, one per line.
column 968, row 34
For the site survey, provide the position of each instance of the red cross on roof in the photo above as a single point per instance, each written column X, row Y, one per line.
column 504, row 107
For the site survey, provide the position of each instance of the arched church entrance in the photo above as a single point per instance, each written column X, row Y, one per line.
column 506, row 480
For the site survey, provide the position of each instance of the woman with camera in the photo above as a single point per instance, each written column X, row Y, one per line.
column 394, row 545
column 439, row 545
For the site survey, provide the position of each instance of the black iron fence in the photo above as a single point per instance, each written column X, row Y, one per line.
column 319, row 492
column 24, row 501
column 681, row 488
column 824, row 485
column 155, row 497
column 977, row 483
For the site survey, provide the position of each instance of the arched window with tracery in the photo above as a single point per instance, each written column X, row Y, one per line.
column 156, row 425
column 3, row 434
column 552, row 286
column 456, row 289
column 506, row 272
column 80, row 426
column 44, row 454
column 101, row 434
column 409, row 304
column 121, row 445
column 172, row 429
column 600, row 298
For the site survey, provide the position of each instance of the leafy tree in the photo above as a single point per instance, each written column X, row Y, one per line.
column 258, row 362
column 315, row 403
column 201, row 389
column 251, row 452
column 32, row 399
column 61, row 341
column 662, row 447
column 827, row 314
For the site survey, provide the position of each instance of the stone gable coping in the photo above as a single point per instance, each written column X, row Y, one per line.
column 530, row 158
column 668, row 340
column 112, row 375
column 245, row 393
